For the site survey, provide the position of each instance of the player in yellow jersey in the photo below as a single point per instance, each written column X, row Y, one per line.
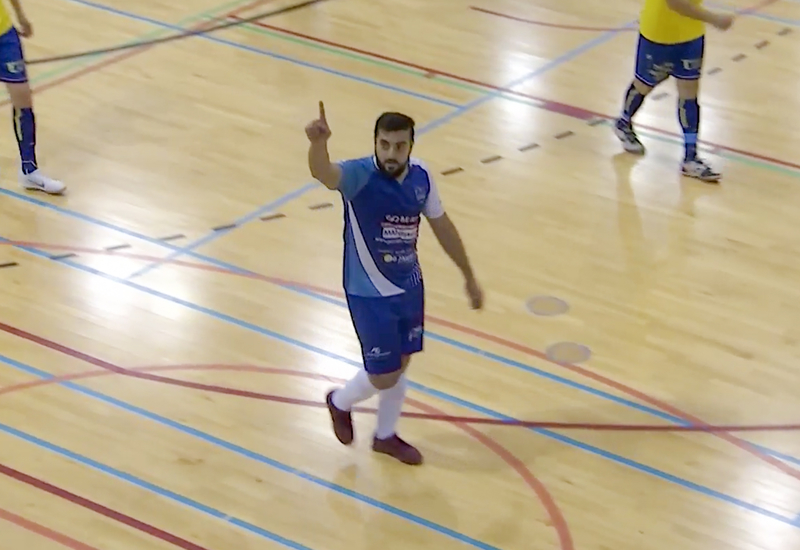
column 672, row 43
column 14, row 75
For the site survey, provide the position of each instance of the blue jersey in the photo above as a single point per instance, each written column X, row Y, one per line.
column 381, row 225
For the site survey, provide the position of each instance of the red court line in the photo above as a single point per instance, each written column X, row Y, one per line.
column 98, row 508
column 557, row 519
column 43, row 531
column 551, row 25
column 745, row 446
column 144, row 373
column 126, row 55
column 565, row 109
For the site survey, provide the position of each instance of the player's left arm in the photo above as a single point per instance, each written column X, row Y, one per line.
column 450, row 240
column 25, row 29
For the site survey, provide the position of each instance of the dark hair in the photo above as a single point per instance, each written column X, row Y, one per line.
column 394, row 122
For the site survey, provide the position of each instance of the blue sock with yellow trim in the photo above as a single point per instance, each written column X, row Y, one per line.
column 689, row 116
column 25, row 130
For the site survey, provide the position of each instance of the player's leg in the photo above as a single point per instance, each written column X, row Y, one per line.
column 687, row 73
column 377, row 328
column 13, row 73
column 390, row 400
column 650, row 71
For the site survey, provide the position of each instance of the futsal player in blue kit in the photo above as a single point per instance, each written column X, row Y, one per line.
column 384, row 195
column 13, row 74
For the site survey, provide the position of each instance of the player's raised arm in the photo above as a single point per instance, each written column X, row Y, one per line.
column 319, row 161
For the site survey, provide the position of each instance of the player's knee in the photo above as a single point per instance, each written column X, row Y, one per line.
column 688, row 89
column 641, row 87
column 385, row 381
column 20, row 95
column 383, row 378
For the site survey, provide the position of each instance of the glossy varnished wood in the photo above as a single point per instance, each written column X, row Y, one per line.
column 684, row 293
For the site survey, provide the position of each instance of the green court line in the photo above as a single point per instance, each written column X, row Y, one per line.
column 215, row 11
column 482, row 90
column 82, row 62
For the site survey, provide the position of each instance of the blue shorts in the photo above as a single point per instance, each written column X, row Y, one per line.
column 657, row 62
column 12, row 59
column 388, row 328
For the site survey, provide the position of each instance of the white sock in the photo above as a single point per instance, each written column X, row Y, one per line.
column 358, row 389
column 390, row 403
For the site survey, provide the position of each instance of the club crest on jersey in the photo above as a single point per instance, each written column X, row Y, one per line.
column 420, row 193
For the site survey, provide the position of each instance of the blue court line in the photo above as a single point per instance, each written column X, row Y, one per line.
column 560, row 60
column 267, row 53
column 611, row 456
column 459, row 109
column 151, row 487
column 446, row 397
column 459, row 345
column 255, row 214
column 225, row 445
column 541, row 373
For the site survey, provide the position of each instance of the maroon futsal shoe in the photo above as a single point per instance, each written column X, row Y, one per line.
column 342, row 421
column 397, row 448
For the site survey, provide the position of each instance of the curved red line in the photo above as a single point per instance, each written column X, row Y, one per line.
column 144, row 374
column 745, row 446
column 540, row 490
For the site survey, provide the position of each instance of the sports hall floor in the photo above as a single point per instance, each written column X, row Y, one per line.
column 170, row 326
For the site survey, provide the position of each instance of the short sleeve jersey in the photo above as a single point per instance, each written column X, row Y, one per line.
column 661, row 24
column 381, row 226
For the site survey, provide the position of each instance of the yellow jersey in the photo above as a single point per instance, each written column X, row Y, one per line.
column 5, row 19
column 661, row 24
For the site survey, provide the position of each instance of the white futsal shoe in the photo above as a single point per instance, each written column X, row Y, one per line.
column 36, row 181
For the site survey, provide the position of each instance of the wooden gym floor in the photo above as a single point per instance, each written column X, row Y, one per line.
column 192, row 274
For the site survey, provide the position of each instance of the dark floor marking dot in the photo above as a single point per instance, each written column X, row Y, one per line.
column 547, row 305
column 63, row 256
column 272, row 217
column 529, row 147
column 320, row 206
column 173, row 237
column 762, row 44
column 660, row 95
column 452, row 171
column 224, row 227
column 563, row 135
column 715, row 70
column 8, row 264
column 568, row 353
column 738, row 57
column 117, row 247
column 784, row 32
column 596, row 121
column 493, row 158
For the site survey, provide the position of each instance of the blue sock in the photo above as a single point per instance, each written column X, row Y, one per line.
column 689, row 116
column 633, row 100
column 25, row 130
